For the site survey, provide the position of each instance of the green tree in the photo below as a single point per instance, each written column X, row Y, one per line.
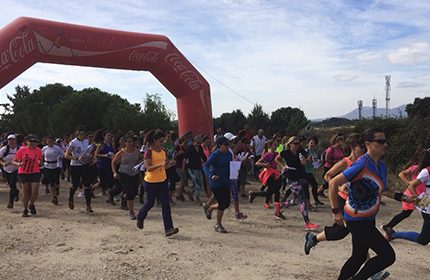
column 156, row 115
column 233, row 121
column 420, row 108
column 258, row 118
column 288, row 120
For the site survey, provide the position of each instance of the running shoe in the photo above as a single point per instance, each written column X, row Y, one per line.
column 89, row 209
column 309, row 242
column 311, row 226
column 71, row 204
column 267, row 206
column 251, row 196
column 207, row 211
column 132, row 216
column 10, row 205
column 25, row 213
column 280, row 216
column 139, row 223
column 319, row 203
column 32, row 209
column 240, row 216
column 380, row 275
column 55, row 200
column 220, row 229
column 172, row 231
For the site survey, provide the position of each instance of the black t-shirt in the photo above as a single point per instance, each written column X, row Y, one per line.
column 293, row 161
column 195, row 157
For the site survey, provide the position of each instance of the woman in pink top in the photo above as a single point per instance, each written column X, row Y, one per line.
column 333, row 154
column 408, row 175
column 28, row 159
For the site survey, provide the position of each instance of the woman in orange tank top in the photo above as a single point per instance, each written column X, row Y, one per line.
column 155, row 181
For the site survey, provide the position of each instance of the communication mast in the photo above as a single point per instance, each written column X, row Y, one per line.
column 360, row 109
column 374, row 106
column 387, row 94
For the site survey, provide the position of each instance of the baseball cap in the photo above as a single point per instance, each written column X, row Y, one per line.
column 221, row 140
column 230, row 136
column 11, row 136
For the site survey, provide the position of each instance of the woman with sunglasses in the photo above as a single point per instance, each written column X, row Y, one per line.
column 217, row 168
column 332, row 155
column 422, row 203
column 155, row 181
column 77, row 152
column 368, row 181
column 28, row 159
column 293, row 167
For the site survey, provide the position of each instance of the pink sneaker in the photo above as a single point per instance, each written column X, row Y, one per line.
column 311, row 226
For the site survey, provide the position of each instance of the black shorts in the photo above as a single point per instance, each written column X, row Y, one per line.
column 222, row 196
column 29, row 178
column 80, row 174
column 52, row 176
column 130, row 185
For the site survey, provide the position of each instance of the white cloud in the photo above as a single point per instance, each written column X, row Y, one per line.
column 414, row 53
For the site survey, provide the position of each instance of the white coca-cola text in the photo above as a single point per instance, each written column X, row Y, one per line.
column 19, row 47
column 190, row 77
column 149, row 56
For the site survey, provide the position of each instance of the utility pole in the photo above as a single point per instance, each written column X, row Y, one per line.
column 360, row 109
column 374, row 107
column 387, row 94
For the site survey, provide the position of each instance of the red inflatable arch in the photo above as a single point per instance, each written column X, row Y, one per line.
column 26, row 41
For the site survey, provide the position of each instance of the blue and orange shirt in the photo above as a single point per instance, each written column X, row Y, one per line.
column 368, row 181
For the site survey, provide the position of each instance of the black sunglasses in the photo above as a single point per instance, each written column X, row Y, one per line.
column 380, row 141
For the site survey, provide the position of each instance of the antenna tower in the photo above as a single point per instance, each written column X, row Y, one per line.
column 374, row 106
column 360, row 109
column 387, row 94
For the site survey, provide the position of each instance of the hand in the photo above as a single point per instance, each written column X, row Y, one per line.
column 215, row 177
column 338, row 219
column 410, row 199
column 115, row 175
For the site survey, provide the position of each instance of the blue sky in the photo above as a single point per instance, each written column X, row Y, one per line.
column 320, row 56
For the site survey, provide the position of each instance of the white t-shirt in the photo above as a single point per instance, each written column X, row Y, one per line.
column 79, row 149
column 258, row 144
column 8, row 167
column 423, row 202
column 52, row 157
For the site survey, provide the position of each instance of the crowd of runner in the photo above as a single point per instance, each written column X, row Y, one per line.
column 160, row 167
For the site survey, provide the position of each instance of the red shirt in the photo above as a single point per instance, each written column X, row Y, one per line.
column 30, row 159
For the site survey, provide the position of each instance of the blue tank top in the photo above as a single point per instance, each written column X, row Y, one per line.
column 105, row 162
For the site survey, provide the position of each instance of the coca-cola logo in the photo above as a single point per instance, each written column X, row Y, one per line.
column 149, row 57
column 190, row 77
column 19, row 47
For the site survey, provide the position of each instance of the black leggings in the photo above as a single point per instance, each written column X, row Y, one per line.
column 81, row 174
column 273, row 188
column 336, row 231
column 12, row 179
column 366, row 236
column 313, row 182
column 399, row 217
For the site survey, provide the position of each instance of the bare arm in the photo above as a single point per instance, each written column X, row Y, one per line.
column 115, row 162
column 405, row 175
column 336, row 169
column 333, row 186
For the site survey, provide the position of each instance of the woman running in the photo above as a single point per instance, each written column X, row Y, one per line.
column 270, row 177
column 422, row 204
column 128, row 175
column 28, row 159
column 169, row 148
column 9, row 170
column 408, row 176
column 296, row 176
column 217, row 168
column 312, row 164
column 104, row 153
column 337, row 231
column 52, row 166
column 194, row 158
column 156, row 181
column 79, row 169
column 332, row 155
column 368, row 177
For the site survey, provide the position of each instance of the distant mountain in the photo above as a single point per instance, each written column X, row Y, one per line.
column 367, row 112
